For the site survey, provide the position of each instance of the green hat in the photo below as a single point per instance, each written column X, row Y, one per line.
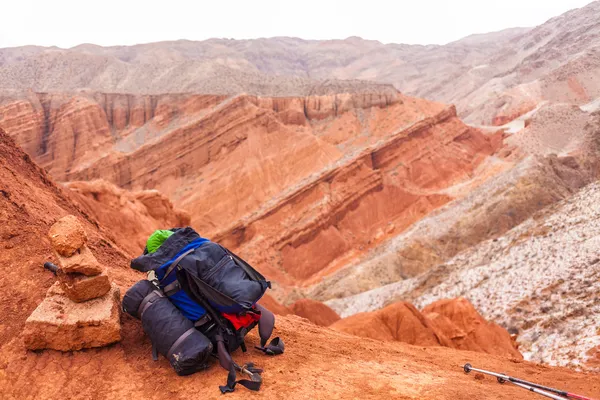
column 157, row 239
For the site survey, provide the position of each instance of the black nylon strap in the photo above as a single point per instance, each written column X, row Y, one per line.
column 154, row 353
column 181, row 339
column 265, row 324
column 174, row 264
column 227, row 363
column 274, row 348
column 147, row 302
column 172, row 288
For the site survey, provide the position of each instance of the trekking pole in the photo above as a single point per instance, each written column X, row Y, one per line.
column 532, row 387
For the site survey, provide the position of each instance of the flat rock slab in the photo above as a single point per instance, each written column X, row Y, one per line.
column 82, row 261
column 80, row 288
column 61, row 324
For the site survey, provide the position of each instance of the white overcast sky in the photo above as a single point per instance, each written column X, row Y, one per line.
column 66, row 23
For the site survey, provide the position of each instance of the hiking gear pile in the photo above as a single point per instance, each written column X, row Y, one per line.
column 201, row 301
column 546, row 391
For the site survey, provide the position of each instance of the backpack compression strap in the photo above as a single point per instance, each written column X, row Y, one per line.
column 265, row 330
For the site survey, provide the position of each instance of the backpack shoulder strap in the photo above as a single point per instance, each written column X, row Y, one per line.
column 227, row 363
column 265, row 330
column 175, row 263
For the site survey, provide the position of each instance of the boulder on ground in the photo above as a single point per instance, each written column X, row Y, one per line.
column 61, row 324
column 82, row 262
column 67, row 235
column 79, row 287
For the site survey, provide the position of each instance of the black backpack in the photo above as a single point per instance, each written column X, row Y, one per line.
column 203, row 279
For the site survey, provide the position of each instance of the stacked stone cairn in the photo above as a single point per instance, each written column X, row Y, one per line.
column 81, row 310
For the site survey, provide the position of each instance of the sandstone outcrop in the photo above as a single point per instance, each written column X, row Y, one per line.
column 316, row 181
column 314, row 227
column 30, row 203
column 129, row 217
column 530, row 178
column 400, row 322
column 474, row 332
column 315, row 311
column 449, row 323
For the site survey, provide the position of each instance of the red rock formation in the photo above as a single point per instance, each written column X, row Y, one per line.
column 449, row 323
column 314, row 181
column 400, row 322
column 316, row 312
column 30, row 202
column 131, row 216
column 481, row 335
column 63, row 131
column 315, row 227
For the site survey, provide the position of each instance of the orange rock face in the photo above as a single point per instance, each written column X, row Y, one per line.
column 471, row 331
column 299, row 186
column 30, row 203
column 131, row 216
column 315, row 311
column 400, row 322
column 449, row 323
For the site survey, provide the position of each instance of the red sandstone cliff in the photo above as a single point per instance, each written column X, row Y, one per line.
column 297, row 185
column 131, row 216
column 30, row 202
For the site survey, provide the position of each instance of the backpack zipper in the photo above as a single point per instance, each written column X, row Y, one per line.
column 218, row 266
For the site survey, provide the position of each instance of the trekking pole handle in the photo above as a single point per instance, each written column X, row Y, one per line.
column 538, row 391
column 51, row 267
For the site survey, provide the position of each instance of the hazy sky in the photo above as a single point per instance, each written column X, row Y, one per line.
column 66, row 23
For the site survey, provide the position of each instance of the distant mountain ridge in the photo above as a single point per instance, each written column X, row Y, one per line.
column 490, row 77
